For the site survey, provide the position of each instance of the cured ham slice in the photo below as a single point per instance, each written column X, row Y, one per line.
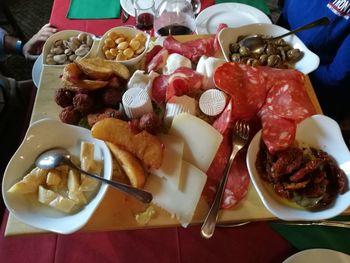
column 246, row 85
column 158, row 61
column 182, row 82
column 193, row 50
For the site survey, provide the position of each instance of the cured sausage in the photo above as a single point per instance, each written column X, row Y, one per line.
column 238, row 179
column 278, row 133
column 288, row 99
column 246, row 85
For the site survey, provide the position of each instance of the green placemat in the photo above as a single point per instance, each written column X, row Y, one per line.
column 307, row 237
column 94, row 9
column 259, row 4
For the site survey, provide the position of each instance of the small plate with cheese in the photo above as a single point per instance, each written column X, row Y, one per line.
column 59, row 200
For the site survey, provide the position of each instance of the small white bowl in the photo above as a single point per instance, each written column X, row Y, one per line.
column 320, row 132
column 42, row 135
column 64, row 35
column 309, row 62
column 130, row 33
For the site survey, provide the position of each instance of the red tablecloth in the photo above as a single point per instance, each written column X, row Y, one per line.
column 255, row 242
column 98, row 27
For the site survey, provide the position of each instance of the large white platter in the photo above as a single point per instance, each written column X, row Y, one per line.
column 232, row 14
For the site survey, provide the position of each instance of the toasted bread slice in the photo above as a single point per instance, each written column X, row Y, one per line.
column 98, row 68
column 72, row 79
column 130, row 164
column 143, row 145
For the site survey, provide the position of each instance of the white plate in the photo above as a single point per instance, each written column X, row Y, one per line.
column 232, row 14
column 308, row 63
column 36, row 70
column 318, row 255
column 320, row 132
column 128, row 6
column 42, row 135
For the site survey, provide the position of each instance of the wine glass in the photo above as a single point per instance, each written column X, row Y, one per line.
column 144, row 14
column 174, row 17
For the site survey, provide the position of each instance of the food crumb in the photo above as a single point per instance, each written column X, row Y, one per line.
column 144, row 217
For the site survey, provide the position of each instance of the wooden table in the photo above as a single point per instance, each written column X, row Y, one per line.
column 117, row 211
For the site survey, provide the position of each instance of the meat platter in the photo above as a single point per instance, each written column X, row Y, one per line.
column 117, row 211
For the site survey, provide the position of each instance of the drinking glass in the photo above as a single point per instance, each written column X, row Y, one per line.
column 174, row 17
column 144, row 14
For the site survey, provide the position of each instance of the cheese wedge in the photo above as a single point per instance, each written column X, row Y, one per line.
column 180, row 204
column 201, row 140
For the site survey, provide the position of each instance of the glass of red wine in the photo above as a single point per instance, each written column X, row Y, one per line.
column 174, row 17
column 144, row 14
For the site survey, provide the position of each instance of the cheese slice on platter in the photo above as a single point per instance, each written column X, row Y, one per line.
column 180, row 204
column 201, row 139
column 172, row 160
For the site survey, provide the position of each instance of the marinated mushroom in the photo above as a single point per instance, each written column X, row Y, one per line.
column 277, row 53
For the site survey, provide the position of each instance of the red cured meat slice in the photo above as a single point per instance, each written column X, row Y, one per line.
column 246, row 86
column 178, row 86
column 274, row 76
column 158, row 61
column 237, row 182
column 193, row 50
column 278, row 133
column 182, row 82
column 238, row 179
column 289, row 99
column 195, row 79
column 152, row 53
column 159, row 88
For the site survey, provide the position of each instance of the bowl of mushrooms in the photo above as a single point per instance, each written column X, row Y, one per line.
column 287, row 52
column 123, row 44
column 66, row 46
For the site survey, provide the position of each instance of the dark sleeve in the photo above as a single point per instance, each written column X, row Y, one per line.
column 337, row 73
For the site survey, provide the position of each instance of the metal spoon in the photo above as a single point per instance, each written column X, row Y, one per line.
column 256, row 44
column 57, row 156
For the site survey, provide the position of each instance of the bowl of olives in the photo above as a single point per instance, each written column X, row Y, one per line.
column 287, row 52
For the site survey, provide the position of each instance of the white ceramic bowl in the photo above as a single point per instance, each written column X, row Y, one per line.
column 307, row 64
column 42, row 135
column 318, row 131
column 64, row 35
column 130, row 33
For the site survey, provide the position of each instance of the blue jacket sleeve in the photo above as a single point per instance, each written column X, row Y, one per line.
column 337, row 73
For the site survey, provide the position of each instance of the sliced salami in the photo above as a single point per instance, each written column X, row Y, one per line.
column 246, row 86
column 238, row 181
column 152, row 53
column 288, row 99
column 278, row 133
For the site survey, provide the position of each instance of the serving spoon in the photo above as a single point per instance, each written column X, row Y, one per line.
column 256, row 44
column 58, row 156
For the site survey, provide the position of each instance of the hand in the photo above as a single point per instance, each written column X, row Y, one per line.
column 33, row 48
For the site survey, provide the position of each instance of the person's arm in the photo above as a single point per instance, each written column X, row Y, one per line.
column 338, row 71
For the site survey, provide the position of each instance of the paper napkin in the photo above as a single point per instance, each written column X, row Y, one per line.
column 94, row 9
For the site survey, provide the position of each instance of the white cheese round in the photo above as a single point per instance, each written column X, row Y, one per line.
column 136, row 103
column 212, row 102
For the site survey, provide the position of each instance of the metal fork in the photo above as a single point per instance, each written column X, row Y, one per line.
column 239, row 139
